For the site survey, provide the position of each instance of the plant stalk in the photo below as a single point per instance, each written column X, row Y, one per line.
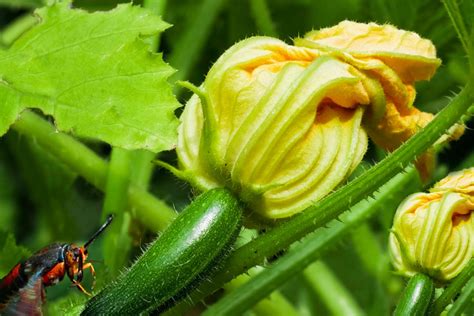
column 312, row 248
column 116, row 202
column 332, row 206
column 335, row 296
column 152, row 212
column 464, row 301
column 275, row 304
column 262, row 17
column 453, row 289
column 190, row 45
column 455, row 15
column 157, row 7
column 16, row 28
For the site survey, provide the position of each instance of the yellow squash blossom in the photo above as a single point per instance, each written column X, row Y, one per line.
column 283, row 125
column 396, row 59
column 433, row 233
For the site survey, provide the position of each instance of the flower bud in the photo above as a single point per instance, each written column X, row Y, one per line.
column 283, row 125
column 433, row 233
column 269, row 138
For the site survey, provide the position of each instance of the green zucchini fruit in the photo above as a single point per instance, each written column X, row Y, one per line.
column 416, row 297
column 178, row 260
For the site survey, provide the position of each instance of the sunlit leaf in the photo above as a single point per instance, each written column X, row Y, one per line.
column 94, row 74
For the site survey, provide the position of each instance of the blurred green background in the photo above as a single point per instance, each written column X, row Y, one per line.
column 41, row 201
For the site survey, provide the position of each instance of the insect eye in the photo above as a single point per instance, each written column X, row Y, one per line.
column 77, row 253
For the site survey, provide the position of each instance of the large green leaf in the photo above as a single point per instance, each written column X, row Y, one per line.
column 94, row 74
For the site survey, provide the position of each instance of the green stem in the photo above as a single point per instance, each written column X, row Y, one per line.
column 141, row 159
column 46, row 181
column 416, row 297
column 332, row 292
column 370, row 252
column 275, row 304
column 153, row 213
column 464, row 301
column 262, row 17
column 157, row 7
column 376, row 262
column 142, row 168
column 115, row 202
column 78, row 156
column 332, row 206
column 311, row 248
column 455, row 15
column 16, row 28
column 189, row 46
column 453, row 289
column 117, row 182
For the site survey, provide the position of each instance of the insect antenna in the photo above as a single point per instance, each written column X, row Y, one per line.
column 99, row 231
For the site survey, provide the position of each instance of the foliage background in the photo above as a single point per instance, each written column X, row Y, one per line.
column 42, row 201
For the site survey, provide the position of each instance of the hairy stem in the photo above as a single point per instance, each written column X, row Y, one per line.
column 464, row 300
column 453, row 289
column 332, row 206
column 313, row 247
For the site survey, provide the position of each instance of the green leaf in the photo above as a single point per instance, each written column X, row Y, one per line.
column 95, row 74
column 10, row 253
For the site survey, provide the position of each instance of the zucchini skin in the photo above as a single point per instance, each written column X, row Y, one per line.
column 188, row 248
column 416, row 297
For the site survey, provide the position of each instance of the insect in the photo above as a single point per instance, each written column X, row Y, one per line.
column 22, row 289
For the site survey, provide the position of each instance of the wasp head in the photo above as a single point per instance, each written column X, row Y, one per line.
column 74, row 260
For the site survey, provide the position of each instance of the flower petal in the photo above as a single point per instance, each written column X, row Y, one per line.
column 412, row 57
